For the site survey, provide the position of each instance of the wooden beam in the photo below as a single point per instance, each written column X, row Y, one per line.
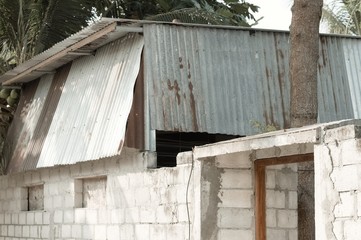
column 260, row 204
column 285, row 159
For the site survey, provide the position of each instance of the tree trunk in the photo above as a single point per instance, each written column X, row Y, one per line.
column 304, row 37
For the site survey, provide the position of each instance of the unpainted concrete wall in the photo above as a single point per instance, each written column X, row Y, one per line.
column 338, row 184
column 140, row 203
column 228, row 196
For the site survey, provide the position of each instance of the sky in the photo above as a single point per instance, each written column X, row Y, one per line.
column 276, row 14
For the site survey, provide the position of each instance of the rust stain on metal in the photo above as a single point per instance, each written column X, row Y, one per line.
column 193, row 107
column 176, row 89
column 180, row 63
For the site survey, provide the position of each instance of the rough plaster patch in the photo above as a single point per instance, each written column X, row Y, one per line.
column 36, row 197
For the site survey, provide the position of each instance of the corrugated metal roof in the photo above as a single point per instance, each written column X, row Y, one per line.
column 81, row 43
column 90, row 120
column 220, row 80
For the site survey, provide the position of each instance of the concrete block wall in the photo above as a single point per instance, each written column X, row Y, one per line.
column 338, row 184
column 281, row 202
column 228, row 193
column 235, row 212
column 139, row 203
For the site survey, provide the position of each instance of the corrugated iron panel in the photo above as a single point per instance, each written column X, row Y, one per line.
column 35, row 147
column 352, row 56
column 220, row 80
column 31, row 106
column 90, row 120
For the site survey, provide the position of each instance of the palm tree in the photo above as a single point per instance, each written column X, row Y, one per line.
column 343, row 16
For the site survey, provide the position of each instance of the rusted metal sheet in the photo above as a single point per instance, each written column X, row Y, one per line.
column 221, row 80
column 90, row 119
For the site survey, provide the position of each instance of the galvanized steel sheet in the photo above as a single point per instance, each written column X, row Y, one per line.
column 90, row 120
column 222, row 80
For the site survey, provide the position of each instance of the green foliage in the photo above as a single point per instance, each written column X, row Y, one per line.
column 263, row 128
column 343, row 16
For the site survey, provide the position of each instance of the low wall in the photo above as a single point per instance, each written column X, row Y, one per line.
column 115, row 198
column 227, row 197
column 338, row 184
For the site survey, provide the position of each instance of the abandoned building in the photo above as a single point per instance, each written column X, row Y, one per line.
column 102, row 145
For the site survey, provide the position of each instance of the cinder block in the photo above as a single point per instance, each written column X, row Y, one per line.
column 126, row 231
column 118, row 216
column 26, row 231
column 142, row 196
column 64, row 173
column 7, row 218
column 11, row 230
column 46, row 218
column 35, row 177
column 100, row 232
column 104, row 216
column 286, row 179
column 271, row 218
column 18, row 230
column 136, row 180
column 287, row 218
column 54, row 175
column 270, row 178
column 168, row 194
column 30, row 218
column 166, row 214
column 65, row 231
column 359, row 204
column 147, row 215
column 45, row 230
column 293, row 234
column 58, row 201
column 275, row 199
column 142, row 231
column 75, row 170
column 34, row 232
column 2, row 218
column 182, row 212
column 45, row 175
column 113, row 232
column 346, row 207
column 79, row 215
column 352, row 230
column 58, row 216
column 177, row 231
column 91, row 216
column 292, row 200
column 236, row 198
column 88, row 231
column 278, row 234
column 4, row 230
column 350, row 151
column 234, row 218
column 234, row 160
column 68, row 216
column 14, row 218
column 38, row 218
column 236, row 178
column 337, row 229
column 131, row 215
column 157, row 232
column 182, row 193
column 184, row 158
